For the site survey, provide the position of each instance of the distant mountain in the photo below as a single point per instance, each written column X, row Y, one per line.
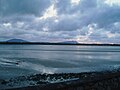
column 16, row 40
column 69, row 42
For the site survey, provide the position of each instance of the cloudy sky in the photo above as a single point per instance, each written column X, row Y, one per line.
column 86, row 21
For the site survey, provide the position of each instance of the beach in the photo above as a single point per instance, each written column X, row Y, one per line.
column 106, row 80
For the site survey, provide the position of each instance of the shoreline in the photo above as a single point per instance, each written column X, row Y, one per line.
column 48, row 43
column 68, row 81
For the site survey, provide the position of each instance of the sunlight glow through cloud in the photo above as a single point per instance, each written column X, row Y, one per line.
column 7, row 25
column 50, row 12
column 75, row 2
column 112, row 2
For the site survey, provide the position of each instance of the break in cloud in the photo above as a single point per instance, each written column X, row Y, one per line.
column 59, row 20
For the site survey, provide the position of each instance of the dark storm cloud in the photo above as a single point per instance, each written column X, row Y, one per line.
column 86, row 21
column 16, row 7
column 66, row 7
column 89, row 12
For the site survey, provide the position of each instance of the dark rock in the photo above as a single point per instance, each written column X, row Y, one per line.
column 4, row 82
column 41, row 82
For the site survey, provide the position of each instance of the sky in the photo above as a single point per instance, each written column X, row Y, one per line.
column 86, row 21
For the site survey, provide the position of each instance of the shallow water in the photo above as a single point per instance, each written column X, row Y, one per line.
column 18, row 60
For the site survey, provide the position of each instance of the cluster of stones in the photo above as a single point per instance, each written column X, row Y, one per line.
column 68, row 81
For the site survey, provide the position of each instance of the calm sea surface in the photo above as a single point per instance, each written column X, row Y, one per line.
column 18, row 60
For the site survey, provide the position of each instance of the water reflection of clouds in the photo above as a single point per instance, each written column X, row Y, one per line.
column 52, row 59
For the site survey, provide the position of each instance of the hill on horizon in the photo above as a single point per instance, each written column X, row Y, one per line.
column 16, row 40
column 21, row 40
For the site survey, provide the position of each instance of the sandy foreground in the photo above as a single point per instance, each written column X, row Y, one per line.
column 104, row 80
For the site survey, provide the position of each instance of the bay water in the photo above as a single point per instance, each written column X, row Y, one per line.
column 19, row 60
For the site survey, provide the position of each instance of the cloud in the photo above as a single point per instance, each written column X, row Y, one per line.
column 59, row 20
column 23, row 7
